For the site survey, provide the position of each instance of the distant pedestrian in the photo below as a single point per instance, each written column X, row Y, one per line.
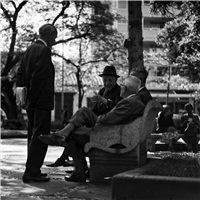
column 167, row 128
column 37, row 73
column 190, row 125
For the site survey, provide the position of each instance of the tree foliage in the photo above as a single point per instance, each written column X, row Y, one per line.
column 78, row 22
column 180, row 38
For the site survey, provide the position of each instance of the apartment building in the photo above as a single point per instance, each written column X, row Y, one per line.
column 164, row 92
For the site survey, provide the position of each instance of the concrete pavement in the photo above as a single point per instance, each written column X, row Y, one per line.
column 13, row 158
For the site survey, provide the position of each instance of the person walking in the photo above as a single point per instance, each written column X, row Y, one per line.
column 37, row 73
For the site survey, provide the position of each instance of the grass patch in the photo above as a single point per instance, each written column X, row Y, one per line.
column 176, row 164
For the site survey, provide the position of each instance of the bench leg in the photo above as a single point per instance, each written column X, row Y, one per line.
column 104, row 164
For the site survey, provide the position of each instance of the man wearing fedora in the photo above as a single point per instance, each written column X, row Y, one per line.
column 102, row 103
column 109, row 95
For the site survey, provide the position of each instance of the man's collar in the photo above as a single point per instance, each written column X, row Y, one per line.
column 141, row 88
column 42, row 41
column 130, row 96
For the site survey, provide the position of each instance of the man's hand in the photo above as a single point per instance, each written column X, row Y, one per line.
column 98, row 99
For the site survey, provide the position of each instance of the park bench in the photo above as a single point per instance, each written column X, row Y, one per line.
column 117, row 148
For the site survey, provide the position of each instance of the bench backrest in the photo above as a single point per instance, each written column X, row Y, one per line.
column 128, row 136
column 151, row 110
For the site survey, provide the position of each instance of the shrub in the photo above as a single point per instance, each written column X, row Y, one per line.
column 177, row 164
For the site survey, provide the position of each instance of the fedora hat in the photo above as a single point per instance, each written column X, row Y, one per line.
column 109, row 71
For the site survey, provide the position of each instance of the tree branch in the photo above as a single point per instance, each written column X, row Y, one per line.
column 62, row 12
column 6, row 13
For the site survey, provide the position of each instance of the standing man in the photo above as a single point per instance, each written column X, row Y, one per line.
column 37, row 73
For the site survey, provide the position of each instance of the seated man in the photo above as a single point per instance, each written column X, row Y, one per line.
column 143, row 93
column 103, row 102
column 167, row 127
column 77, row 132
column 190, row 125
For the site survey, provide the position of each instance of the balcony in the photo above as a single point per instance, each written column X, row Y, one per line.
column 149, row 34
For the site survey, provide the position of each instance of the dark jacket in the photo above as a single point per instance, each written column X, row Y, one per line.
column 144, row 95
column 125, row 111
column 113, row 98
column 164, row 123
column 37, row 73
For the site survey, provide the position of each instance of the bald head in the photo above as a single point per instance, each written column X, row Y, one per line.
column 131, row 85
column 48, row 33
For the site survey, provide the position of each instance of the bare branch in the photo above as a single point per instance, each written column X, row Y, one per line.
column 66, row 60
column 6, row 13
column 74, row 38
column 19, row 8
column 62, row 12
column 5, row 29
column 79, row 14
column 13, row 3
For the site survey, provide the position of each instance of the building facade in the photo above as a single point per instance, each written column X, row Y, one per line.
column 163, row 91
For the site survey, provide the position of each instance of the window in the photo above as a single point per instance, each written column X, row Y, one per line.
column 122, row 4
column 122, row 21
column 146, row 2
column 156, row 25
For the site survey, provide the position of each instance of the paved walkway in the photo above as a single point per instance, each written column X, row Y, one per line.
column 13, row 158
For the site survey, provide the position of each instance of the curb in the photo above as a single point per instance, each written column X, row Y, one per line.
column 135, row 184
column 13, row 133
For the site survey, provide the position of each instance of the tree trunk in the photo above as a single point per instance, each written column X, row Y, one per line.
column 135, row 49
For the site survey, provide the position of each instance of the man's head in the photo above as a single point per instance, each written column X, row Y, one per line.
column 48, row 33
column 141, row 73
column 109, row 77
column 167, row 110
column 130, row 86
column 188, row 108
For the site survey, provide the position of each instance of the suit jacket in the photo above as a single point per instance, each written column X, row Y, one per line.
column 125, row 111
column 113, row 98
column 185, row 122
column 144, row 95
column 164, row 123
column 37, row 73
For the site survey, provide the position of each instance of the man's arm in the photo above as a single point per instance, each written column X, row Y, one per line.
column 111, row 104
column 124, row 112
column 39, row 75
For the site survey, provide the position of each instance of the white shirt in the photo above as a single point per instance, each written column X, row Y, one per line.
column 42, row 41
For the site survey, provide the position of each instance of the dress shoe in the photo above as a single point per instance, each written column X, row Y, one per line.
column 87, row 173
column 43, row 174
column 75, row 177
column 28, row 179
column 54, row 139
column 60, row 162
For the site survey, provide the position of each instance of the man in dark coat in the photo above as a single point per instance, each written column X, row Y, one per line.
column 103, row 102
column 37, row 73
column 143, row 93
column 76, row 134
column 190, row 127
